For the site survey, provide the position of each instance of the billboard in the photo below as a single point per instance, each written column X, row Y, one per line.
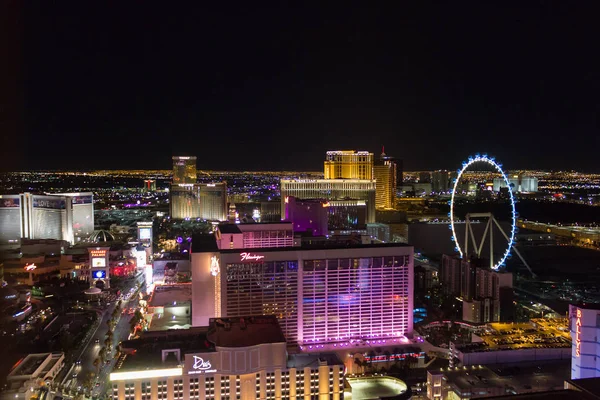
column 145, row 233
column 98, row 262
column 82, row 199
column 8, row 203
column 56, row 204
column 100, row 274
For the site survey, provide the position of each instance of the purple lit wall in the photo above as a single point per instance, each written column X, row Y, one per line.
column 307, row 215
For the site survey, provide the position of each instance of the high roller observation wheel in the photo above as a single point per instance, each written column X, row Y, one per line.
column 511, row 240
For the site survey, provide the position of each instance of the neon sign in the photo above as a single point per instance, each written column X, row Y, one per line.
column 251, row 257
column 30, row 267
column 98, row 253
column 201, row 366
column 578, row 334
column 214, row 266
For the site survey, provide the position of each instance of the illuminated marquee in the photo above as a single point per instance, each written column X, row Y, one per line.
column 578, row 334
column 214, row 266
column 201, row 366
column 98, row 262
column 145, row 234
column 251, row 257
column 98, row 253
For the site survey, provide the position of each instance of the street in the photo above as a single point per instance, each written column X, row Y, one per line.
column 79, row 374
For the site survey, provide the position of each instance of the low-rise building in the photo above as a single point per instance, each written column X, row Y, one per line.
column 170, row 307
column 31, row 373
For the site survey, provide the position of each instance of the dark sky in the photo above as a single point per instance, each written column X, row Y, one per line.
column 115, row 85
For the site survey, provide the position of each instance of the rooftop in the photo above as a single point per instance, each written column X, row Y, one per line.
column 146, row 352
column 588, row 306
column 587, row 385
column 229, row 228
column 564, row 394
column 473, row 377
column 303, row 360
column 207, row 243
column 166, row 295
column 245, row 331
column 173, row 256
column 333, row 244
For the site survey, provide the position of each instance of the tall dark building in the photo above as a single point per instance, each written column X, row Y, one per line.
column 486, row 294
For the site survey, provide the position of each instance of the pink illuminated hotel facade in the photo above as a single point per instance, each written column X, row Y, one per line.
column 333, row 294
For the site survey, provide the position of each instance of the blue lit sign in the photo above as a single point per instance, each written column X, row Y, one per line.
column 100, row 274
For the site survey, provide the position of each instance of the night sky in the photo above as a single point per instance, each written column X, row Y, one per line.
column 251, row 87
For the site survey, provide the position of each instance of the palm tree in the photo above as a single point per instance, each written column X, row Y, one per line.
column 138, row 315
column 132, row 323
column 108, row 343
column 388, row 355
column 97, row 363
column 358, row 362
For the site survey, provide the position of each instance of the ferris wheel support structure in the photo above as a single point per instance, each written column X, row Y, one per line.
column 469, row 234
column 489, row 231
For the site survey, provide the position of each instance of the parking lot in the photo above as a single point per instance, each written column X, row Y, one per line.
column 539, row 334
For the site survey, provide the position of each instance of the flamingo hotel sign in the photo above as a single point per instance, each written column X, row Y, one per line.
column 251, row 257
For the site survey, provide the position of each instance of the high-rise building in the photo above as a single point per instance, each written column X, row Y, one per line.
column 83, row 214
column 386, row 178
column 200, row 200
column 331, row 189
column 307, row 215
column 326, row 293
column 425, row 177
column 518, row 183
column 150, row 185
column 10, row 219
column 584, row 321
column 440, row 181
column 486, row 294
column 60, row 216
column 184, row 170
column 349, row 164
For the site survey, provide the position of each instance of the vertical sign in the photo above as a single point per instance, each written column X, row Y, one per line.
column 578, row 334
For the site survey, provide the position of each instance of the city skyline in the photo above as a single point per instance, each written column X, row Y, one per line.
column 432, row 85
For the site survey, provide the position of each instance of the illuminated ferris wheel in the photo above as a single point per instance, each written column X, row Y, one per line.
column 470, row 237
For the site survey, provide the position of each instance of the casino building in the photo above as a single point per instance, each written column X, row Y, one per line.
column 585, row 338
column 60, row 216
column 322, row 293
column 199, row 200
column 232, row 358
